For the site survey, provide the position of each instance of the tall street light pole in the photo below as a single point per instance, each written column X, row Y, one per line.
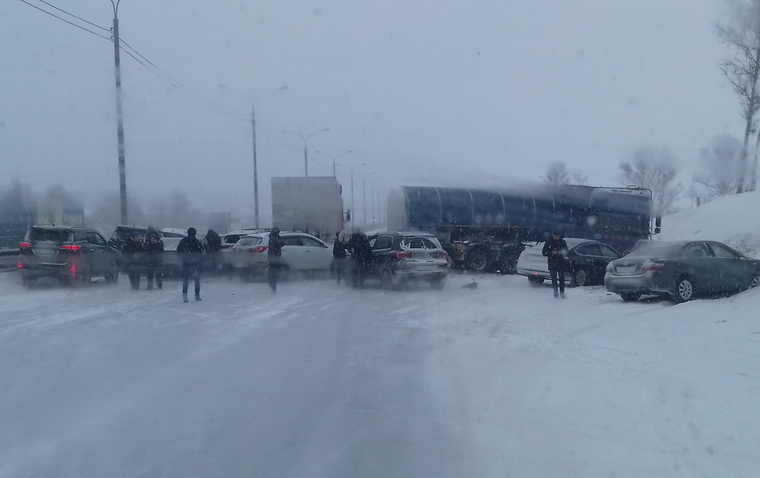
column 119, row 115
column 305, row 148
column 353, row 211
column 255, row 171
column 334, row 158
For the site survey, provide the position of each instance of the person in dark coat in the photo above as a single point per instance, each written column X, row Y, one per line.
column 274, row 254
column 213, row 243
column 154, row 260
column 361, row 253
column 190, row 250
column 555, row 250
column 133, row 259
column 340, row 257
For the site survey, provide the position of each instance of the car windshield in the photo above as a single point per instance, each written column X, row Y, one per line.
column 53, row 235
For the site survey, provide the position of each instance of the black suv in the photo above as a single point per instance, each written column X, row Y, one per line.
column 122, row 234
column 67, row 253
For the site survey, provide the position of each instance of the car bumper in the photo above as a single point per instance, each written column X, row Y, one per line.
column 639, row 284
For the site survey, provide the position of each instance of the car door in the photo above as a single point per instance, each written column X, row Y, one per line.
column 733, row 273
column 316, row 253
column 102, row 255
column 293, row 252
column 587, row 257
column 698, row 262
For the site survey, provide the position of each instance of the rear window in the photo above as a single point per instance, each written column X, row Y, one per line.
column 249, row 241
column 410, row 242
column 654, row 249
column 53, row 235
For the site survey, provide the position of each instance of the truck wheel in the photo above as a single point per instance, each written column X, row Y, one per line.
column 477, row 260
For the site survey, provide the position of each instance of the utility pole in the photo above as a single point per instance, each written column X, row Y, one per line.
column 119, row 116
column 255, row 171
column 364, row 201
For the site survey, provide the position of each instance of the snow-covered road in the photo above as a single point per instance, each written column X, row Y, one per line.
column 323, row 381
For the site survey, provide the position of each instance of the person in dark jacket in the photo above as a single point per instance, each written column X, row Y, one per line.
column 555, row 250
column 213, row 243
column 154, row 250
column 190, row 250
column 361, row 253
column 274, row 254
column 340, row 257
column 133, row 259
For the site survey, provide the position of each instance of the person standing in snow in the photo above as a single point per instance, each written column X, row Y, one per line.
column 190, row 250
column 133, row 257
column 212, row 242
column 339, row 257
column 274, row 255
column 555, row 250
column 361, row 252
column 154, row 250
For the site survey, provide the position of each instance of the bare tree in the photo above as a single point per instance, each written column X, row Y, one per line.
column 557, row 174
column 742, row 37
column 719, row 166
column 653, row 168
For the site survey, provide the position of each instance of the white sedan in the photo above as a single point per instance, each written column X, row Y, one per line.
column 300, row 252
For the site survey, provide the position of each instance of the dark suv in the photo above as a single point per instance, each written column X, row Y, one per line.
column 122, row 234
column 67, row 253
column 400, row 257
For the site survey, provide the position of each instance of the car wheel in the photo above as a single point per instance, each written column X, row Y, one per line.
column 535, row 281
column 579, row 278
column 630, row 297
column 477, row 260
column 113, row 276
column 684, row 290
column 386, row 281
column 755, row 280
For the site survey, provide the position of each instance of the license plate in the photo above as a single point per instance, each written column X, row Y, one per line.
column 625, row 269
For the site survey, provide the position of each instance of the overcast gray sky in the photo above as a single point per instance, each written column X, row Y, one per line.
column 423, row 91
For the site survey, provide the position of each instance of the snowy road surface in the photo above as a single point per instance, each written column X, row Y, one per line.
column 323, row 381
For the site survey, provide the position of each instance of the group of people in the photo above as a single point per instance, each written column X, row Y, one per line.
column 147, row 258
column 358, row 265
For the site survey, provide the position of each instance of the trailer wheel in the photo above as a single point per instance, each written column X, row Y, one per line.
column 477, row 260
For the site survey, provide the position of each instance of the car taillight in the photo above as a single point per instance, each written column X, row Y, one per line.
column 70, row 247
column 402, row 255
column 257, row 249
column 73, row 270
column 443, row 255
column 652, row 266
column 24, row 245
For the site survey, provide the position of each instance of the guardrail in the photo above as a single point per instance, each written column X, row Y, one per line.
column 8, row 258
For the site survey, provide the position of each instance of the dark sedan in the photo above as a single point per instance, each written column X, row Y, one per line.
column 681, row 270
column 588, row 261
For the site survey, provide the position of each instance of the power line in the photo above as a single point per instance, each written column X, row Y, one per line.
column 72, row 15
column 145, row 62
column 64, row 20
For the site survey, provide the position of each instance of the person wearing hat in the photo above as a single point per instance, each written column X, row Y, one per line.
column 555, row 250
column 274, row 255
column 154, row 251
column 133, row 252
column 190, row 250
